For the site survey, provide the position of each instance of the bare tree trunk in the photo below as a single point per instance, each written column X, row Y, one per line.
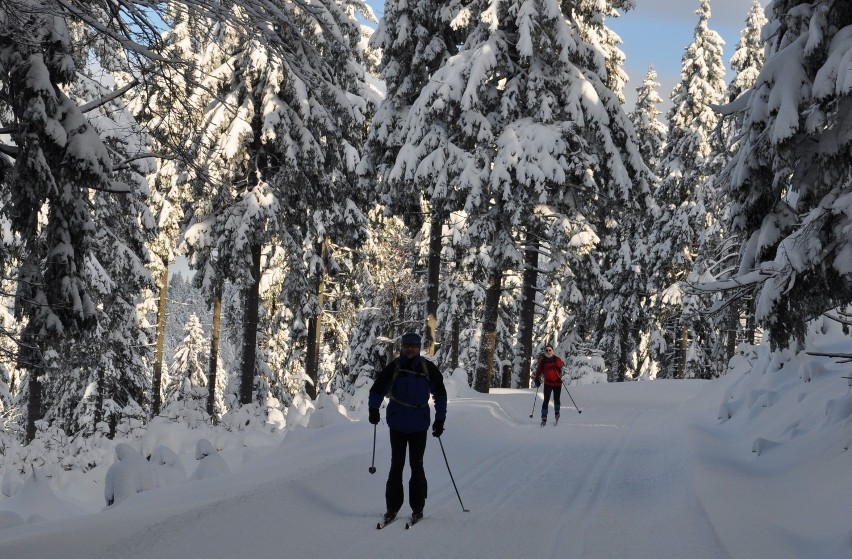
column 529, row 284
column 454, row 345
column 315, row 333
column 683, row 342
column 488, row 343
column 157, row 381
column 29, row 358
column 99, row 399
column 213, row 365
column 506, row 375
column 751, row 324
column 733, row 323
column 623, row 337
column 433, row 278
column 251, row 313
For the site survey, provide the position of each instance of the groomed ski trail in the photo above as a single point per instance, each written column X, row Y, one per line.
column 591, row 488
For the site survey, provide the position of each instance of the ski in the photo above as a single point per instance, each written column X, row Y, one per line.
column 384, row 523
column 412, row 521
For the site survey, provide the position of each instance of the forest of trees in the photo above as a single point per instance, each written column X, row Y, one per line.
column 467, row 170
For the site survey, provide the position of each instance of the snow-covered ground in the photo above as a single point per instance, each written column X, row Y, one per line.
column 753, row 465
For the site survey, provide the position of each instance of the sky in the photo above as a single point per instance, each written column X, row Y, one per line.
column 658, row 31
column 752, row 465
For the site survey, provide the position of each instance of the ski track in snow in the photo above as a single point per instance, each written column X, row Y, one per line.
column 577, row 490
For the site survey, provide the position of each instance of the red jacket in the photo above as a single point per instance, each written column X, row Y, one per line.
column 551, row 368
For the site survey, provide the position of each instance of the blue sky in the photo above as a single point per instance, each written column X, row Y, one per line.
column 658, row 31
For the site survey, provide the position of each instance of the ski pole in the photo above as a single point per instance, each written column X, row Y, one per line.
column 572, row 399
column 373, row 464
column 534, row 400
column 451, row 475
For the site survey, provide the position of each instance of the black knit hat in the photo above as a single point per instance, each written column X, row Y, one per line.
column 411, row 338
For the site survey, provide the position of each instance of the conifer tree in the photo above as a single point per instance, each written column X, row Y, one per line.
column 650, row 132
column 684, row 192
column 518, row 136
column 276, row 126
column 748, row 57
column 719, row 246
column 186, row 393
column 58, row 156
column 790, row 179
column 415, row 40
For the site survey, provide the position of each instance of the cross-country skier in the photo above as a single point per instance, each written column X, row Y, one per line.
column 407, row 381
column 549, row 367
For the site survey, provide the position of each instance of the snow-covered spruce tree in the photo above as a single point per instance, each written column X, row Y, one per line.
column 58, row 156
column 385, row 275
column 185, row 399
column 650, row 132
column 688, row 164
column 605, row 55
column 790, row 181
column 461, row 298
column 163, row 105
column 520, row 136
column 415, row 40
column 278, row 125
column 9, row 382
column 119, row 255
column 718, row 247
column 749, row 55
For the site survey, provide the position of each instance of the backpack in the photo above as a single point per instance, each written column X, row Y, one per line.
column 422, row 373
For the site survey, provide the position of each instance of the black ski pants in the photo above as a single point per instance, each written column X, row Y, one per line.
column 557, row 393
column 394, row 495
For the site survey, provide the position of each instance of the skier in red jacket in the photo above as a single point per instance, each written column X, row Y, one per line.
column 550, row 367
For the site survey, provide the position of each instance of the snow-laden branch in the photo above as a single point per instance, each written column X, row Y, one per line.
column 751, row 278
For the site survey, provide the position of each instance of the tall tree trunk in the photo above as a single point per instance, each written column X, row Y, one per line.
column 455, row 339
column 529, row 288
column 213, row 365
column 623, row 351
column 433, row 279
column 733, row 323
column 251, row 313
column 751, row 323
column 488, row 343
column 157, row 381
column 315, row 332
column 29, row 358
column 506, row 375
column 682, row 343
column 100, row 385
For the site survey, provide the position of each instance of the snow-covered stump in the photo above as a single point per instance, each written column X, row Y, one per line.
column 762, row 445
column 11, row 483
column 33, row 502
column 210, row 463
column 166, row 467
column 131, row 474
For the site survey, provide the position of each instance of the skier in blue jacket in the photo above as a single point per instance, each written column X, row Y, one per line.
column 407, row 381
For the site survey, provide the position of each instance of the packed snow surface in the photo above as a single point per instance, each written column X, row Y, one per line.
column 752, row 465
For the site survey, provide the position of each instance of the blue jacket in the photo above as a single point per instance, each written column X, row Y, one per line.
column 408, row 386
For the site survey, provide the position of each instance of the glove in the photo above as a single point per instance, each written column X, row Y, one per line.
column 437, row 428
column 537, row 383
column 374, row 416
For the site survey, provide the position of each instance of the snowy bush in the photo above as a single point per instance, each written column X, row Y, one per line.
column 35, row 500
column 11, row 482
column 327, row 411
column 131, row 474
column 210, row 463
column 166, row 467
